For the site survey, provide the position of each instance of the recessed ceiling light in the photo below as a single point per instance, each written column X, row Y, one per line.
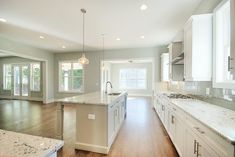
column 63, row 47
column 142, row 36
column 41, row 37
column 143, row 7
column 118, row 39
column 3, row 20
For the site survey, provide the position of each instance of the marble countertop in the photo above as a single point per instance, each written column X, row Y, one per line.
column 218, row 119
column 96, row 98
column 14, row 144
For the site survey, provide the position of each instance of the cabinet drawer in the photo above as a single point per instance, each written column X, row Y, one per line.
column 216, row 142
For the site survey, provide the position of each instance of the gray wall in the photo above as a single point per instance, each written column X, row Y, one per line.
column 18, row 60
column 115, row 69
column 92, row 71
column 17, row 49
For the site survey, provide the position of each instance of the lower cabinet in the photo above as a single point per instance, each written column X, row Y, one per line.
column 197, row 147
column 190, row 137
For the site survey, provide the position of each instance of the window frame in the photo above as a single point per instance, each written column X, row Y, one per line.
column 4, row 77
column 32, row 77
column 216, row 83
column 146, row 80
column 59, row 77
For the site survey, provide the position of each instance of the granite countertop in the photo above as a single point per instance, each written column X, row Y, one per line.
column 14, row 144
column 96, row 98
column 218, row 119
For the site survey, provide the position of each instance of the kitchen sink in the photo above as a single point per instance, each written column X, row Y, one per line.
column 114, row 93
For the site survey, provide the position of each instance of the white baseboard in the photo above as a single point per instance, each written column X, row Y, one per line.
column 92, row 148
column 15, row 98
column 139, row 95
column 50, row 100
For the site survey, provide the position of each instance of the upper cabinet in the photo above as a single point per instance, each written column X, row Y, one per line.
column 165, row 67
column 198, row 48
column 223, row 45
column 176, row 67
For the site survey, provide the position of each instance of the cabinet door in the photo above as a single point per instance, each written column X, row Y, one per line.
column 111, row 122
column 116, row 118
column 204, row 150
column 232, row 51
column 188, row 51
column 190, row 144
column 172, row 126
column 179, row 136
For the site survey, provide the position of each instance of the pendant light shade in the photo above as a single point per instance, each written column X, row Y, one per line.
column 83, row 60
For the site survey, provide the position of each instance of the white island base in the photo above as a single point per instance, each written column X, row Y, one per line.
column 99, row 118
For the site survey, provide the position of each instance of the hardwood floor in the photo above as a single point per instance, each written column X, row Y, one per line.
column 142, row 134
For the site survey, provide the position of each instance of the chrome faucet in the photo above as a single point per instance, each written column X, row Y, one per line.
column 106, row 86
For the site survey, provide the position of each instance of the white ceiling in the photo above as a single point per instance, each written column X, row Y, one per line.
column 60, row 21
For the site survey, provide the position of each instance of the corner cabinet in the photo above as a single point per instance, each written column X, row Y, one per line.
column 198, row 48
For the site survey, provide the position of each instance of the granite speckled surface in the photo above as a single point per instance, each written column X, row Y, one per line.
column 14, row 144
column 96, row 98
column 218, row 119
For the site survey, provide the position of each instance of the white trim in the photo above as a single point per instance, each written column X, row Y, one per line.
column 49, row 100
column 21, row 98
column 140, row 95
column 91, row 147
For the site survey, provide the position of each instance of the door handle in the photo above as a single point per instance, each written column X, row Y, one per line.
column 172, row 119
column 229, row 63
column 198, row 145
column 195, row 147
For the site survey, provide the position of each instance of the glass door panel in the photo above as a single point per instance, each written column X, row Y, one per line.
column 25, row 80
column 16, row 70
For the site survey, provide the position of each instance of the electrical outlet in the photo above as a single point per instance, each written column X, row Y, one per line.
column 91, row 116
column 207, row 91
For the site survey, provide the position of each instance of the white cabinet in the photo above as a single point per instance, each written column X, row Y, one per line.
column 179, row 135
column 196, row 147
column 189, row 136
column 165, row 67
column 232, row 51
column 198, row 48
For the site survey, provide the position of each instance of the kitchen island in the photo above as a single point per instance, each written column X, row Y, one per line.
column 14, row 144
column 99, row 117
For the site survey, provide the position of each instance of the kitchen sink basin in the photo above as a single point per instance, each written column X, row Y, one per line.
column 114, row 93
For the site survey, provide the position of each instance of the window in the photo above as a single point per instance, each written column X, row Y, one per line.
column 222, row 56
column 7, row 76
column 70, row 77
column 35, row 77
column 132, row 79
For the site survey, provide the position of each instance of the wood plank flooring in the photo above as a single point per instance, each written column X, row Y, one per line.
column 142, row 134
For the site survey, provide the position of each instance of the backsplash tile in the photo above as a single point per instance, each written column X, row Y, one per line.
column 220, row 97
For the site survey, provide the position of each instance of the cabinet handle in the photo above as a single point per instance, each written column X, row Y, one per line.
column 198, row 145
column 195, row 147
column 172, row 119
column 199, row 130
column 229, row 63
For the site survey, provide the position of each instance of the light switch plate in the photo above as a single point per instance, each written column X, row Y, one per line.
column 207, row 91
column 91, row 116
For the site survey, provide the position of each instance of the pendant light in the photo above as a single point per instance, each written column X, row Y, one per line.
column 83, row 60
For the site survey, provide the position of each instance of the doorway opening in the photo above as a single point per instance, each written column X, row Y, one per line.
column 136, row 76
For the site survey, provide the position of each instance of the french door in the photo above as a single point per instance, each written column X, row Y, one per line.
column 21, row 74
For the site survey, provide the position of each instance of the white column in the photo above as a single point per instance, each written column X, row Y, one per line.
column 60, row 121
